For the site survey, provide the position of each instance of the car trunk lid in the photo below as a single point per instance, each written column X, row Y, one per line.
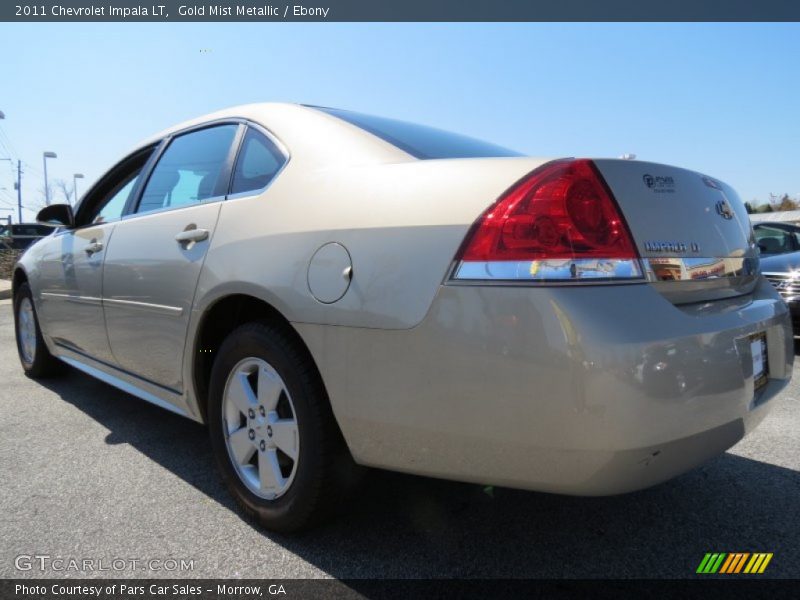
column 692, row 231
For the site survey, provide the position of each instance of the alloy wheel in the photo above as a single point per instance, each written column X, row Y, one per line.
column 260, row 428
column 27, row 330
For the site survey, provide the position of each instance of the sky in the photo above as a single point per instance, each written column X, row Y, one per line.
column 722, row 99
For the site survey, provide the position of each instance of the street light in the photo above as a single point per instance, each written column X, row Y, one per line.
column 75, row 178
column 45, row 156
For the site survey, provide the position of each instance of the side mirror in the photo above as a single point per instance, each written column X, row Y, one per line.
column 56, row 215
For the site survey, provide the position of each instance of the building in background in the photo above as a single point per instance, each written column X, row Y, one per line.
column 785, row 216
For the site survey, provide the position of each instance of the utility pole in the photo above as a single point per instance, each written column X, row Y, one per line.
column 19, row 189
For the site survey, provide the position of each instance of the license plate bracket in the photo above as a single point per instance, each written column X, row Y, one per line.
column 758, row 353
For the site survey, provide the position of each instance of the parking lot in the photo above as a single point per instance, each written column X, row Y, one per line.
column 90, row 472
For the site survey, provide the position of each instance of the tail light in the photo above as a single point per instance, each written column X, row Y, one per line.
column 560, row 222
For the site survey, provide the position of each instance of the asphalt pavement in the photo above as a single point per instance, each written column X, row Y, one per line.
column 89, row 472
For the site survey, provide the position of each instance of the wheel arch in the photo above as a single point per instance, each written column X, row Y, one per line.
column 220, row 318
column 19, row 277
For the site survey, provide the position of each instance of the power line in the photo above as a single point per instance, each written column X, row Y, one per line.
column 37, row 173
column 4, row 135
column 7, row 145
column 6, row 151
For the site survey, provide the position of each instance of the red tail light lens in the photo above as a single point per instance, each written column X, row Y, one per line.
column 561, row 214
column 562, row 210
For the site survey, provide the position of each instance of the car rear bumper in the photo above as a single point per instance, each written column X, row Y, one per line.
column 582, row 390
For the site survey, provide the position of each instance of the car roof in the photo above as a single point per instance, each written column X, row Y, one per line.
column 321, row 139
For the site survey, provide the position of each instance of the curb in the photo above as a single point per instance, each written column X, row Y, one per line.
column 5, row 293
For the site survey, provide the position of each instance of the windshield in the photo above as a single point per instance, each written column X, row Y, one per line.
column 777, row 239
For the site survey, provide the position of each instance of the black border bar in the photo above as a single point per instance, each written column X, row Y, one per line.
column 399, row 10
column 373, row 589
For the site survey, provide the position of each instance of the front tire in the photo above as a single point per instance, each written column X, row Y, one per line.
column 273, row 433
column 37, row 362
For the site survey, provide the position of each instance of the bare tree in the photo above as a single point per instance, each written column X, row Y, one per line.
column 65, row 188
column 42, row 201
column 782, row 202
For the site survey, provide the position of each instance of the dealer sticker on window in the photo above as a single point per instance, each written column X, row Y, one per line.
column 758, row 350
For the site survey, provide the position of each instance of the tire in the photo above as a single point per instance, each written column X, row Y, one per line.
column 37, row 362
column 281, row 492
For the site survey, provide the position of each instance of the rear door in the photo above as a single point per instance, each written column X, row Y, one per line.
column 154, row 260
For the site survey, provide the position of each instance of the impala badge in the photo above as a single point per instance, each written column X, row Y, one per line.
column 724, row 209
column 671, row 247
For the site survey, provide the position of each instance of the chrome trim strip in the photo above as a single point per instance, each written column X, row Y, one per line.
column 163, row 209
column 74, row 298
column 123, row 385
column 661, row 270
column 563, row 270
column 173, row 311
column 675, row 268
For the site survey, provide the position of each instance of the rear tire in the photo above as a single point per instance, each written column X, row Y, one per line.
column 274, row 437
column 37, row 362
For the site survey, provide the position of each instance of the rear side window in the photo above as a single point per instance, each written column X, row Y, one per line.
column 191, row 169
column 258, row 162
column 421, row 141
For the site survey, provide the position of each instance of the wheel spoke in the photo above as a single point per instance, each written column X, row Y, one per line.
column 241, row 446
column 269, row 389
column 241, row 393
column 269, row 471
column 284, row 434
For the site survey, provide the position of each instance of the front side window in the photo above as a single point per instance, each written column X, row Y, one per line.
column 190, row 170
column 112, row 210
column 107, row 200
column 259, row 161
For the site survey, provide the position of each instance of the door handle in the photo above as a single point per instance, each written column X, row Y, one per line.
column 93, row 246
column 191, row 235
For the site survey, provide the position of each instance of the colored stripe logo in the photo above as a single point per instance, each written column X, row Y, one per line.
column 731, row 563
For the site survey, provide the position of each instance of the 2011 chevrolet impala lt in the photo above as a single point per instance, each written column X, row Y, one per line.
column 327, row 289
